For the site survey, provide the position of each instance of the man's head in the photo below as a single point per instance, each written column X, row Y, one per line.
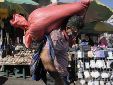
column 75, row 22
column 19, row 21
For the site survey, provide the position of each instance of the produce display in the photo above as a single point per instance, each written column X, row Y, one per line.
column 20, row 58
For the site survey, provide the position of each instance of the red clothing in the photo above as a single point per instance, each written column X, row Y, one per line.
column 103, row 42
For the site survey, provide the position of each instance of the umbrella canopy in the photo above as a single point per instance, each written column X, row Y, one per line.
column 97, row 27
column 23, row 2
column 103, row 27
column 20, row 6
column 43, row 2
column 97, row 12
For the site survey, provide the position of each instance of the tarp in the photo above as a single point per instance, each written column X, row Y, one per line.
column 3, row 12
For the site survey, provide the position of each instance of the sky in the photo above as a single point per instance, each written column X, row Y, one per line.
column 109, row 3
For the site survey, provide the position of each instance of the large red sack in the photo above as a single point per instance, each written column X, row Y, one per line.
column 43, row 20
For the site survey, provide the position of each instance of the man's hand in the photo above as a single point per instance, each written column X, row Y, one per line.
column 87, row 1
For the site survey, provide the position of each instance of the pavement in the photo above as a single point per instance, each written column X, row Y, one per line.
column 19, row 81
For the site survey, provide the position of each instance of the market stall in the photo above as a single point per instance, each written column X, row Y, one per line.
column 93, row 66
column 14, row 57
column 17, row 64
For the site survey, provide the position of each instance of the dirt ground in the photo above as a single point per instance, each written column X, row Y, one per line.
column 19, row 81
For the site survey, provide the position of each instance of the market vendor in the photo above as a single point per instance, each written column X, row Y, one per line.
column 43, row 21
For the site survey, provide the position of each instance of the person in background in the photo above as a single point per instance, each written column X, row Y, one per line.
column 103, row 42
column 89, row 40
